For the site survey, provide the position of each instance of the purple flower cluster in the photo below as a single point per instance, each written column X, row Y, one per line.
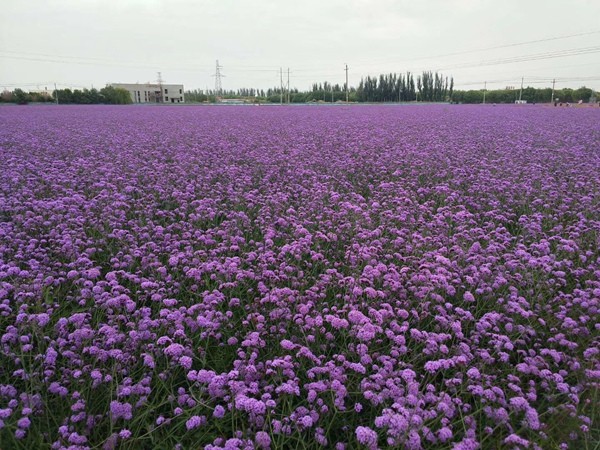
column 366, row 277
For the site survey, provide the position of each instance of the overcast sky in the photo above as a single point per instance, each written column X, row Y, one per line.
column 80, row 43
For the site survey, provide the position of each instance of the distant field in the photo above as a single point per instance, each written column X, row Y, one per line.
column 348, row 277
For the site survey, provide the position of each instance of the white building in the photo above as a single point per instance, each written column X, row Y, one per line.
column 231, row 101
column 152, row 92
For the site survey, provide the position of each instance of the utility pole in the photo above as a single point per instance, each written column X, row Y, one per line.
column 521, row 91
column 280, row 86
column 484, row 89
column 160, row 83
column 346, row 83
column 56, row 93
column 288, row 86
column 552, row 99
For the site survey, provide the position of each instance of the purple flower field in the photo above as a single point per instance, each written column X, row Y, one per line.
column 413, row 277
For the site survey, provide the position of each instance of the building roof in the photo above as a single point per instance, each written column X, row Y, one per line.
column 146, row 85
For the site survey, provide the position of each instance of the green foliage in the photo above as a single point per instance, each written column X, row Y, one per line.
column 251, row 95
column 429, row 87
column 197, row 96
column 115, row 96
column 530, row 94
column 6, row 97
column 319, row 92
column 108, row 95
column 20, row 97
column 583, row 93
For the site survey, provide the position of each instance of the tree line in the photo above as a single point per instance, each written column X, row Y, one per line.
column 108, row 95
column 427, row 87
column 392, row 87
column 323, row 92
column 530, row 94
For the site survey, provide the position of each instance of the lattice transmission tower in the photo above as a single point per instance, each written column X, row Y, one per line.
column 218, row 85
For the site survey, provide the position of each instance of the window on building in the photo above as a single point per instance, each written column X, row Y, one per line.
column 166, row 99
column 180, row 99
column 180, row 91
column 166, row 91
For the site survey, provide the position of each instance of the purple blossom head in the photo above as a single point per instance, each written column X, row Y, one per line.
column 120, row 410
column 195, row 422
column 366, row 436
column 262, row 440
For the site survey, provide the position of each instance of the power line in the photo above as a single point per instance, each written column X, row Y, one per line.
column 594, row 77
column 88, row 61
column 65, row 85
column 526, row 58
column 514, row 44
column 512, row 76
column 83, row 58
column 458, row 66
column 470, row 83
column 523, row 58
column 496, row 47
column 84, row 63
column 79, row 60
column 58, row 60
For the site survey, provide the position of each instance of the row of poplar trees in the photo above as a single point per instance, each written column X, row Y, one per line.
column 393, row 87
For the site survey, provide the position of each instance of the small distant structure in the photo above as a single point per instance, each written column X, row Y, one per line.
column 153, row 92
column 231, row 101
column 520, row 102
